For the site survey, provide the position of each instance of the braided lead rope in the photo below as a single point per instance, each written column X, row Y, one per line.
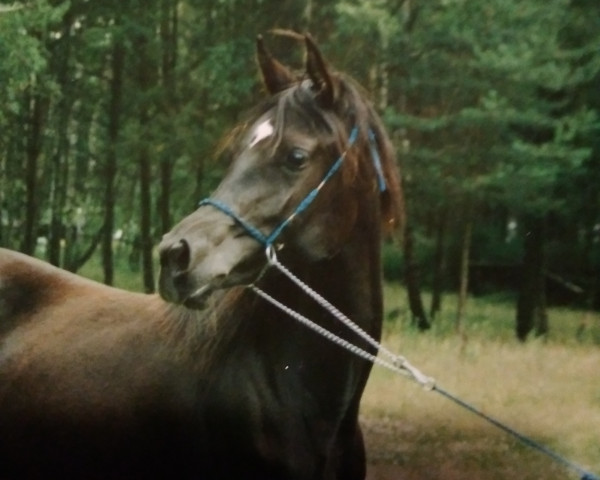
column 398, row 362
column 328, row 334
column 583, row 474
column 377, row 161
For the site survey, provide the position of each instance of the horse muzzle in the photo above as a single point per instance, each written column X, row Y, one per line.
column 203, row 257
column 175, row 282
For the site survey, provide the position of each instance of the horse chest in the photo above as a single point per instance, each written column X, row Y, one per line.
column 268, row 417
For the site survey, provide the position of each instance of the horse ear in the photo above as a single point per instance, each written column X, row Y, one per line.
column 318, row 72
column 276, row 76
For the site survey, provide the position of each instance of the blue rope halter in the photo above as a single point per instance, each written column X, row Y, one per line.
column 268, row 240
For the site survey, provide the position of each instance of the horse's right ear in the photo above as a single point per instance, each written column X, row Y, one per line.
column 276, row 76
column 323, row 83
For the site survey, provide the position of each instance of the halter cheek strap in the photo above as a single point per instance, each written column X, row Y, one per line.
column 250, row 229
column 376, row 161
column 269, row 240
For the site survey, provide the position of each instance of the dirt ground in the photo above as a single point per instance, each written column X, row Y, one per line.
column 400, row 451
column 388, row 452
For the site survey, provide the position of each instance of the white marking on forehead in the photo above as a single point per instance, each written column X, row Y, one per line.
column 264, row 130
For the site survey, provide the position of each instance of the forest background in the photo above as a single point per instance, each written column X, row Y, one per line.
column 112, row 115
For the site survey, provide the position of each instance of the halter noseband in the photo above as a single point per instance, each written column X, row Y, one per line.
column 269, row 240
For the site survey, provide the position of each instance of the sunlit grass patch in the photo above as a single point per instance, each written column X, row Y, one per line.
column 546, row 389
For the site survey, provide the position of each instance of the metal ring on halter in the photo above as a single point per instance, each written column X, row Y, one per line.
column 270, row 254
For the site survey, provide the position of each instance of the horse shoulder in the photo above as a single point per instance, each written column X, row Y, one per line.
column 79, row 335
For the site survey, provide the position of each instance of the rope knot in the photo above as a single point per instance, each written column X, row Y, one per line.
column 400, row 362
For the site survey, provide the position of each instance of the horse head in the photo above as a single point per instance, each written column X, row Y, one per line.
column 283, row 188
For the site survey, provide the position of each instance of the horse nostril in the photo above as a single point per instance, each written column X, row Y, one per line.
column 178, row 256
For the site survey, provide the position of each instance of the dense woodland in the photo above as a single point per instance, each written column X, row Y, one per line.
column 113, row 115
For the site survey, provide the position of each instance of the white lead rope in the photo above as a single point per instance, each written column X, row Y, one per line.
column 396, row 363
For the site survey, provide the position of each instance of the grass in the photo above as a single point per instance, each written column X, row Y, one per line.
column 546, row 389
column 126, row 277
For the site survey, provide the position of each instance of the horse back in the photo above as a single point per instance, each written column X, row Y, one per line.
column 29, row 286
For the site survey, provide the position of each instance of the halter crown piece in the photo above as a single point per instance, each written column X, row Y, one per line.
column 269, row 240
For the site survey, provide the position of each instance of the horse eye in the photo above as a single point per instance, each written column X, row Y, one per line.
column 296, row 159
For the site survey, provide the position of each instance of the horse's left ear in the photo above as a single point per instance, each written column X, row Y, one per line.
column 276, row 76
column 317, row 70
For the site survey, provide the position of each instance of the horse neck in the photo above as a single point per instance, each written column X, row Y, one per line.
column 350, row 280
column 239, row 321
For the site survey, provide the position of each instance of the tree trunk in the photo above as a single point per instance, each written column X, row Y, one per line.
column 168, row 36
column 83, row 257
column 57, row 202
column 591, row 251
column 200, row 176
column 60, row 156
column 145, row 81
column 11, row 201
column 76, row 251
column 531, row 303
column 413, row 286
column 146, row 215
column 4, row 210
column 439, row 264
column 541, row 318
column 465, row 253
column 114, row 124
column 38, row 108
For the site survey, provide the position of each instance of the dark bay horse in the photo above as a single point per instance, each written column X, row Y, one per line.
column 208, row 381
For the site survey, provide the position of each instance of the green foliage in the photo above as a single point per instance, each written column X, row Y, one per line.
column 490, row 318
column 493, row 106
column 501, row 120
column 393, row 262
column 224, row 76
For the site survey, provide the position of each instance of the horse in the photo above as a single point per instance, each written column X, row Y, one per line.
column 206, row 379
